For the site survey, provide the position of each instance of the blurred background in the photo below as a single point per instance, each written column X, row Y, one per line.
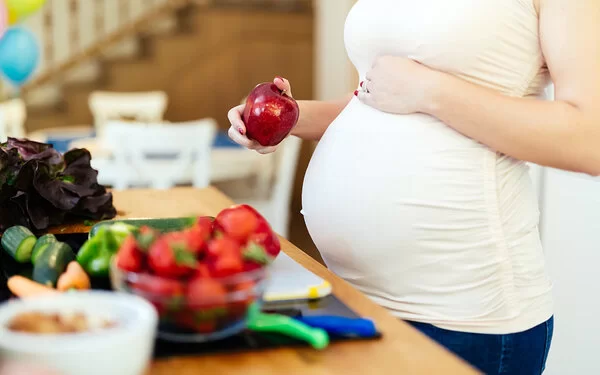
column 145, row 85
column 114, row 75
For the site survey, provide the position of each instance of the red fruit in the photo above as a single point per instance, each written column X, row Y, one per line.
column 226, row 265
column 237, row 222
column 188, row 320
column 250, row 265
column 205, row 294
column 145, row 237
column 197, row 235
column 129, row 257
column 268, row 241
column 256, row 253
column 205, row 223
column 243, row 298
column 222, row 246
column 206, row 327
column 270, row 114
column 165, row 294
column 247, row 287
column 202, row 271
column 170, row 256
column 159, row 286
column 264, row 234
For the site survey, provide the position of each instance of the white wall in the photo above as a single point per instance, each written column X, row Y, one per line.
column 334, row 72
column 570, row 231
column 571, row 237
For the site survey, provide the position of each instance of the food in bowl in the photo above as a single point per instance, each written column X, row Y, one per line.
column 201, row 279
column 197, row 309
column 39, row 322
column 122, row 349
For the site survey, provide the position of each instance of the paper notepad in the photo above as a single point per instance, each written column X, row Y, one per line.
column 290, row 281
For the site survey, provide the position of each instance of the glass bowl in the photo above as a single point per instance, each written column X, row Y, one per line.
column 201, row 314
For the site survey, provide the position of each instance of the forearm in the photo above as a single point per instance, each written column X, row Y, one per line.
column 555, row 134
column 315, row 117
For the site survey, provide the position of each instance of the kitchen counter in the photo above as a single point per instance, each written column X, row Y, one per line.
column 402, row 350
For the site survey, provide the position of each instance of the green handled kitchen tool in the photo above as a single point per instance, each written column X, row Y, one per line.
column 284, row 325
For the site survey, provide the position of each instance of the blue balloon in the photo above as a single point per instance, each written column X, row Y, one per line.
column 19, row 55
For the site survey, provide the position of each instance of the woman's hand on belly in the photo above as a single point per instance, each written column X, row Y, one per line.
column 397, row 85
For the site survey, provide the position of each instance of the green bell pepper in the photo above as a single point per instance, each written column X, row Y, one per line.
column 96, row 253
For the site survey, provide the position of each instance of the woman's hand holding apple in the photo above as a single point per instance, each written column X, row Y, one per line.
column 255, row 126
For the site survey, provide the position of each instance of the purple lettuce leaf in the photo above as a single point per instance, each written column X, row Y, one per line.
column 39, row 187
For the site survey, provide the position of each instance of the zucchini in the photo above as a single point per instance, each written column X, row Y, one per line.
column 40, row 245
column 18, row 241
column 52, row 262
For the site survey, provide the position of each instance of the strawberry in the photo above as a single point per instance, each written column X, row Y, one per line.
column 250, row 265
column 226, row 265
column 145, row 237
column 205, row 223
column 188, row 320
column 198, row 234
column 266, row 238
column 206, row 294
column 169, row 256
column 129, row 257
column 221, row 246
column 244, row 297
column 263, row 234
column 202, row 271
column 256, row 253
column 165, row 294
column 237, row 222
column 206, row 327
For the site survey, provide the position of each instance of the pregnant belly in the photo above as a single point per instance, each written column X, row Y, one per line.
column 406, row 208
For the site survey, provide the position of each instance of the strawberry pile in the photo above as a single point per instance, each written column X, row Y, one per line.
column 201, row 277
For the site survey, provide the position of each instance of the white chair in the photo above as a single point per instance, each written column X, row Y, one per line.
column 12, row 119
column 275, row 205
column 139, row 106
column 157, row 155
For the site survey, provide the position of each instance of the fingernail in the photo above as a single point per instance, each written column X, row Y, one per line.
column 281, row 78
column 361, row 83
column 241, row 131
column 356, row 93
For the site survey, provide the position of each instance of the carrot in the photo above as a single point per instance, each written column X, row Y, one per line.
column 23, row 287
column 73, row 278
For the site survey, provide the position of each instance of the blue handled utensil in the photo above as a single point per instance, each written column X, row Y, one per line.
column 341, row 326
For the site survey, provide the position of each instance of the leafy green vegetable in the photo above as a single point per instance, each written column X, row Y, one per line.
column 96, row 253
column 39, row 187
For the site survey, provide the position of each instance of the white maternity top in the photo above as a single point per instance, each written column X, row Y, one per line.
column 433, row 225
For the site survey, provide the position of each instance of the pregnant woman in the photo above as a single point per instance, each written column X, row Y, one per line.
column 418, row 193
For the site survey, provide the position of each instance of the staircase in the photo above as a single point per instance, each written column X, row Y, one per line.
column 206, row 55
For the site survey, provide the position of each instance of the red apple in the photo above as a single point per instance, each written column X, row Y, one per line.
column 270, row 114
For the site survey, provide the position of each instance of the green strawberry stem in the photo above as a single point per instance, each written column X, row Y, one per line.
column 256, row 253
column 183, row 257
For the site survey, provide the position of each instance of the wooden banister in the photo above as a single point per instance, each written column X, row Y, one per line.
column 73, row 34
column 99, row 16
column 74, row 26
column 47, row 32
column 107, row 41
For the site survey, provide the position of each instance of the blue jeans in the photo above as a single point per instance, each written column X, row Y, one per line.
column 522, row 353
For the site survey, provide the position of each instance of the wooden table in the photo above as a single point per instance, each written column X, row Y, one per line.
column 402, row 350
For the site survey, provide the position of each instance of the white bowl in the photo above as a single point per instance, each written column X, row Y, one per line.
column 125, row 349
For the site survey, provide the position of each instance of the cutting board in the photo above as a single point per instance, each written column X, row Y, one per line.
column 289, row 281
